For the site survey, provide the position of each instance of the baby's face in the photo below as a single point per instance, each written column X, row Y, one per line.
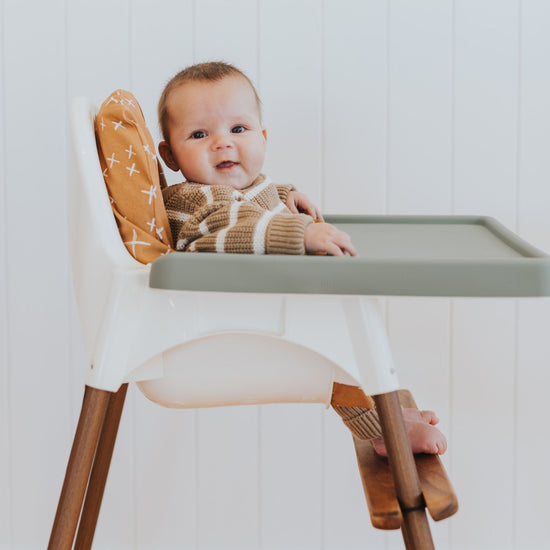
column 215, row 133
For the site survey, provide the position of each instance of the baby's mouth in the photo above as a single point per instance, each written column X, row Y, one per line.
column 226, row 164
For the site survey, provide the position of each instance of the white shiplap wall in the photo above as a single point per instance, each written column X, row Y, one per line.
column 379, row 106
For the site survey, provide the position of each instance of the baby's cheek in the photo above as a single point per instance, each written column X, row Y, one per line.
column 257, row 154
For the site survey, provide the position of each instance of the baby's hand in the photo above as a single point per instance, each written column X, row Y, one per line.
column 323, row 237
column 299, row 203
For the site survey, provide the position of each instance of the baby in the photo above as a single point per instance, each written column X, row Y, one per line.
column 210, row 119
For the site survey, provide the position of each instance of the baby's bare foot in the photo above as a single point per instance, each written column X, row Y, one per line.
column 414, row 415
column 423, row 435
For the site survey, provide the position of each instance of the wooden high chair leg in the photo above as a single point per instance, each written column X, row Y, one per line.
column 415, row 527
column 100, row 470
column 90, row 423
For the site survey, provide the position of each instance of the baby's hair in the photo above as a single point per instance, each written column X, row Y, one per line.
column 210, row 71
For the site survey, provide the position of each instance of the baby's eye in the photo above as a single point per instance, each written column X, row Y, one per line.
column 198, row 134
column 238, row 129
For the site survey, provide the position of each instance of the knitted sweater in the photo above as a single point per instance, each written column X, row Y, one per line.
column 218, row 218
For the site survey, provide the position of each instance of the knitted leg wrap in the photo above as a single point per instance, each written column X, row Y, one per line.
column 363, row 423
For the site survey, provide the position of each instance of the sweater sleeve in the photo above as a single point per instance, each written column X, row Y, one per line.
column 284, row 190
column 235, row 226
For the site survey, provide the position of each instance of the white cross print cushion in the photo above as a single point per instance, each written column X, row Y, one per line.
column 133, row 178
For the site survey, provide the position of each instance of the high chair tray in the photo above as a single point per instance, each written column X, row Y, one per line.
column 397, row 256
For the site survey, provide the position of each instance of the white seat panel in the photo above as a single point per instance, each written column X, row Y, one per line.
column 239, row 368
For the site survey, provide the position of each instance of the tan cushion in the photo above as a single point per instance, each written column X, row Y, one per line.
column 133, row 177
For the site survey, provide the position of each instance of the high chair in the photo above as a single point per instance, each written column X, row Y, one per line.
column 190, row 338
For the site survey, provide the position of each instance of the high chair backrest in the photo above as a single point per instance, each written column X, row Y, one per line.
column 96, row 248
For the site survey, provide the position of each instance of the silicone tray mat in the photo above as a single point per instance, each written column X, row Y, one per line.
column 398, row 256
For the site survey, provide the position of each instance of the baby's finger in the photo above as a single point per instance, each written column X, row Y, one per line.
column 309, row 208
column 344, row 242
column 292, row 207
column 334, row 249
column 350, row 249
column 347, row 245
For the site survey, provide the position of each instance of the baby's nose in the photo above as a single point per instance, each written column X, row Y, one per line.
column 221, row 142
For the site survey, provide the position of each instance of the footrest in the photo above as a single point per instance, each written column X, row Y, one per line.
column 384, row 508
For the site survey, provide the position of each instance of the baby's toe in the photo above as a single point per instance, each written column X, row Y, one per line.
column 379, row 446
column 429, row 417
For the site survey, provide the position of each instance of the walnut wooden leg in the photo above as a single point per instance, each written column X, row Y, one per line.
column 100, row 470
column 92, row 415
column 416, row 530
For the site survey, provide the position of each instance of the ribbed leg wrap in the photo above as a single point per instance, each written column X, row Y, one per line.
column 363, row 423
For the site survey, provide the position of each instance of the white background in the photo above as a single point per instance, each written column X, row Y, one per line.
column 372, row 107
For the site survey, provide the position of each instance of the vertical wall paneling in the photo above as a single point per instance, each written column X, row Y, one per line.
column 228, row 454
column 346, row 521
column 354, row 176
column 160, row 47
column 484, row 331
column 96, row 65
column 97, row 57
column 228, row 474
column 483, row 423
column 485, row 108
column 419, row 334
column 37, row 306
column 532, row 448
column 236, row 43
column 291, row 84
column 165, row 476
column 290, row 45
column 291, row 476
column 5, row 452
column 419, row 154
column 354, row 107
column 532, row 485
column 534, row 128
column 164, row 445
column 420, row 98
column 419, row 182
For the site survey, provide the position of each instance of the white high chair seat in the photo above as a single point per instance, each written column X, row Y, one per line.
column 188, row 348
column 282, row 348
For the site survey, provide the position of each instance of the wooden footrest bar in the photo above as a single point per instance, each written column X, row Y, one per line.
column 379, row 489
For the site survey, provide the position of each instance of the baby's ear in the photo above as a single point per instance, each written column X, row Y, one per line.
column 167, row 156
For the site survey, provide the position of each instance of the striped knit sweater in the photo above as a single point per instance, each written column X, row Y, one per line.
column 218, row 218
